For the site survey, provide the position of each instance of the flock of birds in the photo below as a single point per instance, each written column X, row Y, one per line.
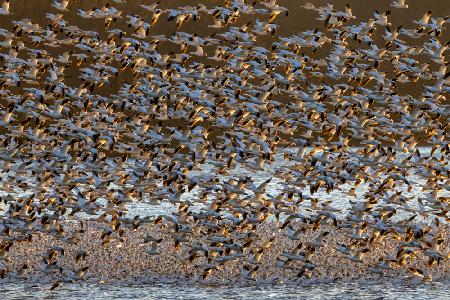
column 345, row 107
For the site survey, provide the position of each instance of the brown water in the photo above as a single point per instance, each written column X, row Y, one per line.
column 299, row 19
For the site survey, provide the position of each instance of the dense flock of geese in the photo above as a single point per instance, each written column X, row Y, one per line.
column 344, row 106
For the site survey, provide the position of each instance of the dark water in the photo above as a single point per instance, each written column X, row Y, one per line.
column 299, row 19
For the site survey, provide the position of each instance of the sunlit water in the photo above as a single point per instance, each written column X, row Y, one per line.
column 164, row 290
column 435, row 290
column 338, row 198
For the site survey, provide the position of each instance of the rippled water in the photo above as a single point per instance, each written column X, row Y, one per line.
column 338, row 198
column 337, row 290
column 435, row 290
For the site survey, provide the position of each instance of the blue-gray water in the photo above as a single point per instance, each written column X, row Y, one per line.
column 434, row 290
column 337, row 290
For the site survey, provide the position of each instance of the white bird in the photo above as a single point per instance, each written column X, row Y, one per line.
column 153, row 250
column 294, row 234
column 399, row 4
column 4, row 10
column 61, row 5
column 358, row 257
